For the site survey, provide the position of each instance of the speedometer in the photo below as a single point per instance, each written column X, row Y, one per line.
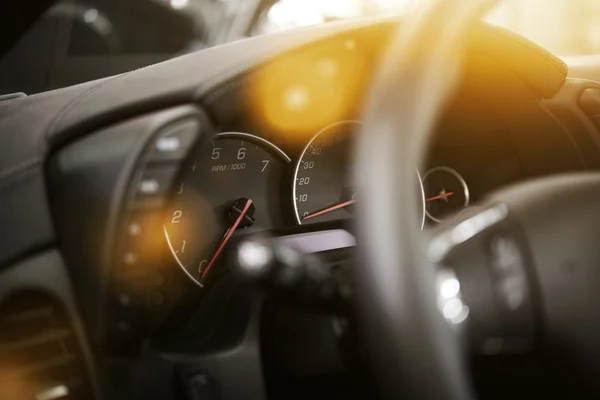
column 322, row 187
column 229, row 185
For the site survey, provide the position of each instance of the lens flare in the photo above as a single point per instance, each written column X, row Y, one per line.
column 303, row 91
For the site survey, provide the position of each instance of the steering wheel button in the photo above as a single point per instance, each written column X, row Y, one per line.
column 509, row 271
column 174, row 143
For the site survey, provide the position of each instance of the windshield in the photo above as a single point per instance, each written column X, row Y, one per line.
column 82, row 40
column 565, row 27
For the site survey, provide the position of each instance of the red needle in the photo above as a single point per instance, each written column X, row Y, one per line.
column 230, row 232
column 330, row 209
column 441, row 196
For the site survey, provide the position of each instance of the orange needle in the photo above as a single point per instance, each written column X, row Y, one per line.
column 441, row 196
column 228, row 235
column 330, row 209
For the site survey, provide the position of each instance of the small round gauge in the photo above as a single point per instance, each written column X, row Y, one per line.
column 322, row 188
column 231, row 184
column 446, row 193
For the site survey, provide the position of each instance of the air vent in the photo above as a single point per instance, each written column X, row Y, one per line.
column 40, row 357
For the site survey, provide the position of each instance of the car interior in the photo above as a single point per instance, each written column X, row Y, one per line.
column 382, row 207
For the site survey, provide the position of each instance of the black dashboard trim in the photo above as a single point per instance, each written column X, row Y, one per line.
column 89, row 184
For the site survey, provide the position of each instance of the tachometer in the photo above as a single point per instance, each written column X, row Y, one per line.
column 322, row 189
column 231, row 184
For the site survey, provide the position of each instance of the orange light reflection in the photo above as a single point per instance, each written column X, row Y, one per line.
column 306, row 90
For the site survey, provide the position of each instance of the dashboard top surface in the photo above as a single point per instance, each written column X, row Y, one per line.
column 59, row 115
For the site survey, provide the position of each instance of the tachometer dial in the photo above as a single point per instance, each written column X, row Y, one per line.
column 231, row 184
column 446, row 193
column 322, row 187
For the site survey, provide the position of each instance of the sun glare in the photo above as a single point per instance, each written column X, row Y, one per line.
column 304, row 91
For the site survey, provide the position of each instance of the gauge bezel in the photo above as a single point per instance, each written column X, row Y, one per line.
column 252, row 137
column 297, row 166
column 269, row 146
column 460, row 178
column 319, row 133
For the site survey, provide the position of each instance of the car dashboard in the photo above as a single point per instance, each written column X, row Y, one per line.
column 138, row 183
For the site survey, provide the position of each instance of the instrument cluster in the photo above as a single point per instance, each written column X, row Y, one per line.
column 242, row 181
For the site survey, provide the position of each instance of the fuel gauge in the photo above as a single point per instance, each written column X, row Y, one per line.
column 446, row 193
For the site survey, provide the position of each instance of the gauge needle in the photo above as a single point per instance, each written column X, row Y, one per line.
column 227, row 236
column 440, row 196
column 330, row 209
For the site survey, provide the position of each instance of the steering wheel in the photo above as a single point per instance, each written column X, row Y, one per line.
column 521, row 269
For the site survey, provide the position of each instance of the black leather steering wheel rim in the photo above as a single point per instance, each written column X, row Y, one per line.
column 416, row 352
